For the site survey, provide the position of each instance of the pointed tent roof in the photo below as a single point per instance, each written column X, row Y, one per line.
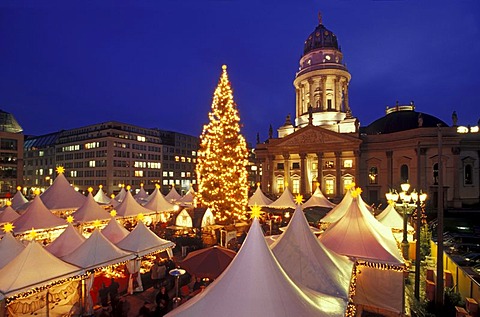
column 339, row 210
column 142, row 194
column 121, row 195
column 143, row 241
column 129, row 207
column 97, row 251
column 8, row 215
column 173, row 195
column 102, row 198
column 33, row 267
column 90, row 211
column 184, row 219
column 286, row 200
column 158, row 203
column 9, row 248
column 187, row 199
column 114, row 231
column 61, row 195
column 208, row 218
column 18, row 200
column 300, row 253
column 359, row 235
column 37, row 216
column 65, row 243
column 318, row 200
column 390, row 217
column 264, row 286
column 258, row 198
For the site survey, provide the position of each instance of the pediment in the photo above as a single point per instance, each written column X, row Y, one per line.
column 316, row 136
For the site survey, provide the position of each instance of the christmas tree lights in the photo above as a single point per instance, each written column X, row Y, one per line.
column 222, row 158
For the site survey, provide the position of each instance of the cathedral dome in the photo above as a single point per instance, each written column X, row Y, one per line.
column 321, row 37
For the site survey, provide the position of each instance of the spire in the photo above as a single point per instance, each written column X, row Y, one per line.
column 320, row 22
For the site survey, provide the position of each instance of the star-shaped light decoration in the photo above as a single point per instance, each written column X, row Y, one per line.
column 112, row 196
column 113, row 213
column 33, row 234
column 70, row 219
column 299, row 199
column 36, row 192
column 350, row 186
column 90, row 189
column 97, row 223
column 129, row 187
column 140, row 217
column 8, row 203
column 8, row 227
column 391, row 202
column 100, row 186
column 60, row 169
column 19, row 188
column 256, row 211
column 356, row 192
column 258, row 184
column 141, row 184
column 157, row 186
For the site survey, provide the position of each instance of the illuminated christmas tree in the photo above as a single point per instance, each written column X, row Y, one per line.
column 222, row 158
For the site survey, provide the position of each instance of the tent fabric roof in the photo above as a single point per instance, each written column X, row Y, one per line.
column 359, row 235
column 258, row 198
column 37, row 216
column 158, row 203
column 173, row 195
column 143, row 241
column 121, row 195
column 8, row 215
column 114, row 231
column 265, row 289
column 18, row 200
column 102, row 198
column 184, row 219
column 33, row 267
column 62, row 196
column 390, row 217
column 187, row 199
column 65, row 243
column 129, row 207
column 141, row 196
column 308, row 262
column 286, row 200
column 339, row 210
column 97, row 251
column 318, row 200
column 9, row 248
column 90, row 211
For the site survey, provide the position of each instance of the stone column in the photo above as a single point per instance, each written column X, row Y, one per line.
column 356, row 165
column 297, row 101
column 324, row 93
column 311, row 99
column 389, row 155
column 337, row 94
column 346, row 103
column 338, row 174
column 319, row 170
column 286, row 169
column 303, row 174
column 457, row 177
column 265, row 173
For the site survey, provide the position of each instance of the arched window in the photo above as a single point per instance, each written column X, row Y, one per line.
column 435, row 174
column 373, row 175
column 404, row 173
column 467, row 175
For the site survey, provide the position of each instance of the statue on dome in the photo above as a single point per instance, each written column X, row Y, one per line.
column 454, row 118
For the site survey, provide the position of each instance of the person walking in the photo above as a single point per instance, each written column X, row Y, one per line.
column 113, row 292
column 163, row 302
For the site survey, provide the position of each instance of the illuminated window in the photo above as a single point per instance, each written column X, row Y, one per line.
column 183, row 159
column 348, row 163
column 329, row 186
column 138, row 173
column 295, row 186
column 254, row 167
column 329, row 164
column 314, row 166
column 189, row 160
column 189, row 174
column 141, row 138
column 165, row 173
column 177, row 182
column 182, row 174
column 280, row 185
column 165, row 182
column 347, row 181
column 91, row 163
column 373, row 175
column 177, row 158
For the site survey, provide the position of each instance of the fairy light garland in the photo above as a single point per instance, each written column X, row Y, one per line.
column 351, row 308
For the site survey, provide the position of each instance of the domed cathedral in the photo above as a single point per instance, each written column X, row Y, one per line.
column 325, row 145
column 322, row 146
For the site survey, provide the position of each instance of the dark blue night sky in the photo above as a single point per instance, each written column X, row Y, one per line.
column 156, row 63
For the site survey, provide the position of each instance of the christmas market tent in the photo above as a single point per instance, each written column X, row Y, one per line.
column 90, row 211
column 8, row 215
column 318, row 200
column 390, row 217
column 97, row 251
column 360, row 236
column 37, row 216
column 18, row 200
column 66, row 242
column 114, row 231
column 308, row 262
column 142, row 195
column 9, row 249
column 158, row 203
column 187, row 199
column 129, row 207
column 173, row 196
column 62, row 196
column 285, row 201
column 33, row 267
column 339, row 210
column 208, row 218
column 121, row 195
column 102, row 198
column 184, row 219
column 258, row 198
column 254, row 284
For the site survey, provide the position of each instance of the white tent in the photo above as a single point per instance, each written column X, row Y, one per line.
column 102, row 198
column 173, row 196
column 121, row 195
column 18, row 200
column 183, row 219
column 339, row 210
column 309, row 263
column 129, row 207
column 90, row 211
column 37, row 216
column 9, row 248
column 114, row 231
column 65, row 243
column 8, row 215
column 318, row 200
column 285, row 201
column 158, row 203
column 258, row 198
column 33, row 267
column 142, row 195
column 142, row 241
column 254, row 284
column 187, row 199
column 208, row 218
column 62, row 196
column 390, row 217
column 97, row 251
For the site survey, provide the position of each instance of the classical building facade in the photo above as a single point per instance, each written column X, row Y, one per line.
column 326, row 146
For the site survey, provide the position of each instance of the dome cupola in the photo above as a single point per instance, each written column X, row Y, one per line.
column 320, row 38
